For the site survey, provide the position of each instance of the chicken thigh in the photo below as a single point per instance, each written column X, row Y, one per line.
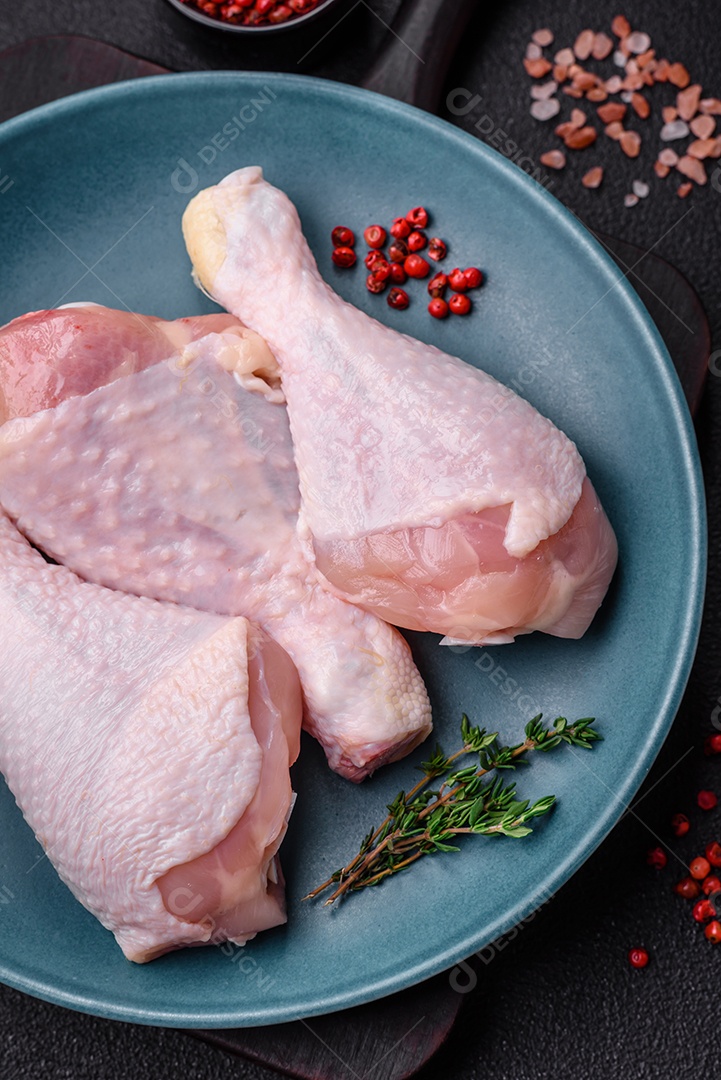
column 432, row 495
column 148, row 746
column 160, row 475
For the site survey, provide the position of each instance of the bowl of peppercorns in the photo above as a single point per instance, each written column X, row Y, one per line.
column 259, row 18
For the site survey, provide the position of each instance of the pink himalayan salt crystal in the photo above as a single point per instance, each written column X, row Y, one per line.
column 546, row 109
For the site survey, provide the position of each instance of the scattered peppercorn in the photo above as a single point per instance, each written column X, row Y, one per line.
column 417, row 217
column 713, row 931
column 474, row 277
column 375, row 284
column 416, row 266
column 699, row 868
column 711, row 885
column 638, row 958
column 374, row 259
column 375, row 236
column 417, row 240
column 460, row 304
column 344, row 257
column 398, row 251
column 382, row 270
column 438, row 284
column 342, row 237
column 707, row 800
column 713, row 853
column 398, row 299
column 457, row 280
column 403, row 260
column 656, row 857
column 438, row 308
column 687, row 888
column 703, row 910
column 680, row 824
column 400, row 228
column 437, row 249
column 712, row 744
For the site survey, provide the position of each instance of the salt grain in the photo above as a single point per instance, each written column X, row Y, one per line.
column 660, row 169
column 703, row 126
column 613, row 111
column 581, row 138
column 565, row 57
column 614, row 130
column 553, row 159
column 638, row 42
column 640, row 188
column 710, row 106
column 583, row 44
column 602, row 46
column 640, row 105
column 630, row 200
column 701, row 148
column 533, row 51
column 544, row 110
column 593, row 177
column 677, row 129
column 614, row 84
column 692, row 168
column 543, row 37
column 537, row 68
column 631, row 143
column 684, row 190
column 668, row 157
column 687, row 101
column 619, row 58
column 545, row 90
column 662, row 70
column 678, row 75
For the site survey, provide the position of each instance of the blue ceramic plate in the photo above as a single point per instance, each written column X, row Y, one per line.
column 99, row 183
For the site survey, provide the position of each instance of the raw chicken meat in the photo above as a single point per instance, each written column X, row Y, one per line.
column 174, row 482
column 431, row 494
column 148, row 746
column 49, row 356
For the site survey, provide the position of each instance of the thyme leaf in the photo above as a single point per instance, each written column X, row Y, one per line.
column 426, row 820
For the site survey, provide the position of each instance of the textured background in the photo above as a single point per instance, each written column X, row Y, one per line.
column 559, row 1000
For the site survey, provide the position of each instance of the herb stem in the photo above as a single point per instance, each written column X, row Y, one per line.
column 421, row 822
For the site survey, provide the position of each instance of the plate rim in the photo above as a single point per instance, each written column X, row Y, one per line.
column 689, row 626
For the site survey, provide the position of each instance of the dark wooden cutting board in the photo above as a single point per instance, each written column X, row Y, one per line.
column 391, row 1039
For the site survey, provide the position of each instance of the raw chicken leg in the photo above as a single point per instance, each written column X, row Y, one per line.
column 431, row 494
column 148, row 747
column 176, row 483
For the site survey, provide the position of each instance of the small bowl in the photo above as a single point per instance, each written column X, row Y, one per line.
column 298, row 23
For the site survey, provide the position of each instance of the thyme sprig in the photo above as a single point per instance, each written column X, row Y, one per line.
column 427, row 819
